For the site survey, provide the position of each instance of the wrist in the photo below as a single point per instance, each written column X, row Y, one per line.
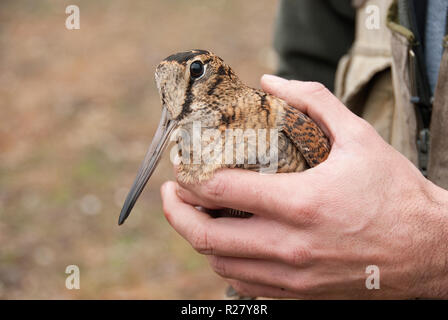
column 434, row 226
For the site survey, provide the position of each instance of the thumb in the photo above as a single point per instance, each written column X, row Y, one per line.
column 315, row 100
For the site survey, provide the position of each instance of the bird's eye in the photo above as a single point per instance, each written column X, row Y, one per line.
column 196, row 69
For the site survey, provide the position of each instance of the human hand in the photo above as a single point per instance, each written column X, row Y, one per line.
column 314, row 233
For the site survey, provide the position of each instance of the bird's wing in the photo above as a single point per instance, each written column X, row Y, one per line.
column 306, row 135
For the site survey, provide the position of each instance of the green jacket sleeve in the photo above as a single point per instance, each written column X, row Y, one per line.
column 311, row 36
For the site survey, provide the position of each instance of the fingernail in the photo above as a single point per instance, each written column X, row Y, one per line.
column 273, row 80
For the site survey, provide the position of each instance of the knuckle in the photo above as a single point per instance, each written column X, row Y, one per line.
column 200, row 241
column 309, row 217
column 298, row 256
column 219, row 266
column 305, row 210
column 317, row 88
column 215, row 188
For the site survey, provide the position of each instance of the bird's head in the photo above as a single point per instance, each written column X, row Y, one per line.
column 191, row 83
column 193, row 86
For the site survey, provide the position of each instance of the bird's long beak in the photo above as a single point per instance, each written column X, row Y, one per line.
column 150, row 162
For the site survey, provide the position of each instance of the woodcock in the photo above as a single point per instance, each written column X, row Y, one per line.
column 198, row 87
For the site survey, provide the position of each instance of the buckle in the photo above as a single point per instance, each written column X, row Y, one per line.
column 423, row 146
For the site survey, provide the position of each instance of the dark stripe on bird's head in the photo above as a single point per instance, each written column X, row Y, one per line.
column 182, row 57
column 186, row 109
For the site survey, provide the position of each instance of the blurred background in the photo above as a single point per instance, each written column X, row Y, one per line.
column 78, row 109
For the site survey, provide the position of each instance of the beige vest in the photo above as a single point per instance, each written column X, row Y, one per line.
column 373, row 81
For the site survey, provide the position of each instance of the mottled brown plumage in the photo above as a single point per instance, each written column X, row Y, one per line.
column 198, row 86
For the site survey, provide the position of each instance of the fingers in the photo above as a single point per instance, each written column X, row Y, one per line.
column 261, row 278
column 313, row 99
column 250, row 238
column 262, row 272
column 258, row 194
column 193, row 199
column 183, row 218
column 247, row 289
